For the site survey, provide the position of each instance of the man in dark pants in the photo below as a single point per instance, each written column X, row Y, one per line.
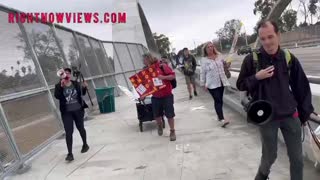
column 69, row 93
column 287, row 88
column 189, row 69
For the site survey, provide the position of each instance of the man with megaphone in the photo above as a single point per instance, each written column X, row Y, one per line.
column 280, row 99
column 69, row 93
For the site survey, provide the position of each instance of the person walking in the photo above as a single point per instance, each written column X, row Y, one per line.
column 162, row 100
column 276, row 75
column 69, row 93
column 213, row 78
column 189, row 69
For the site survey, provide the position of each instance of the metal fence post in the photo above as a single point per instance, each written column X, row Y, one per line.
column 97, row 61
column 116, row 52
column 1, row 168
column 64, row 57
column 8, row 132
column 81, row 58
column 135, row 68
column 108, row 68
column 41, row 74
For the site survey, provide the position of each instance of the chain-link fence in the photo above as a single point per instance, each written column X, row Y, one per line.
column 30, row 55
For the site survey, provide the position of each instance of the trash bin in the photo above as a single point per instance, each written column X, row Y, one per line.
column 105, row 98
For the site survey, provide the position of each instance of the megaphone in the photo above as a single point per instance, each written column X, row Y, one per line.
column 62, row 74
column 259, row 112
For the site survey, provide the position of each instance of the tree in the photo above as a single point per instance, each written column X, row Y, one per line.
column 73, row 53
column 163, row 44
column 29, row 69
column 17, row 75
column 289, row 19
column 23, row 70
column 18, row 63
column 12, row 68
column 227, row 33
column 304, row 11
column 313, row 8
column 263, row 7
column 4, row 72
column 47, row 51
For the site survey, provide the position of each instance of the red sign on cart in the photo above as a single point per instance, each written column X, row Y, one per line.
column 146, row 82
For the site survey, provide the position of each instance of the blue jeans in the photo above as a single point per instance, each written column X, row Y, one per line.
column 291, row 131
column 217, row 95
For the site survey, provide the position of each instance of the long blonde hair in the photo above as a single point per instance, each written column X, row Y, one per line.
column 204, row 49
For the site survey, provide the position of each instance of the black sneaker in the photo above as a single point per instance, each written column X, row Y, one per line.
column 85, row 148
column 69, row 157
column 195, row 93
column 261, row 176
column 190, row 97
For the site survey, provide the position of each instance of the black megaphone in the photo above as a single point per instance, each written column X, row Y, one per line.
column 259, row 112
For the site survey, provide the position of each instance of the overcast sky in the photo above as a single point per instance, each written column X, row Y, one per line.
column 189, row 22
column 186, row 22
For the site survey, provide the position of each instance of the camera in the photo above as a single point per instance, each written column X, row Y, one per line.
column 75, row 71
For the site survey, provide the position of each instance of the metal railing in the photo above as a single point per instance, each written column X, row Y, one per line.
column 29, row 115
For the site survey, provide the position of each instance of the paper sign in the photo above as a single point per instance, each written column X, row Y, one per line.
column 146, row 82
column 157, row 82
column 141, row 89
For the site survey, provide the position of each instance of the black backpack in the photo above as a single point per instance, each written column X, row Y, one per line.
column 173, row 81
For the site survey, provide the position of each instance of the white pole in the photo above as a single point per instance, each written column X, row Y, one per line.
column 245, row 34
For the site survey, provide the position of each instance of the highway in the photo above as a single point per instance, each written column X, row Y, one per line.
column 308, row 57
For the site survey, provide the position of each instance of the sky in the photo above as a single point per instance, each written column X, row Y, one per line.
column 187, row 23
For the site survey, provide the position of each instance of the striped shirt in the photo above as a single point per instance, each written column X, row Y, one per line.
column 212, row 73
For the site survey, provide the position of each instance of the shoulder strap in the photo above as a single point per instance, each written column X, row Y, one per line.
column 255, row 60
column 288, row 59
column 162, row 69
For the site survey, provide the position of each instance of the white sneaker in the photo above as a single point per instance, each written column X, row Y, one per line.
column 224, row 123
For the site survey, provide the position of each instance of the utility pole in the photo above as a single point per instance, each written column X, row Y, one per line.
column 245, row 34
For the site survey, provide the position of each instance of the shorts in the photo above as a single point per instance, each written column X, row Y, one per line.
column 190, row 79
column 163, row 106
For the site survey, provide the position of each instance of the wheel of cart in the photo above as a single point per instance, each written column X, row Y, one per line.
column 145, row 113
column 141, row 124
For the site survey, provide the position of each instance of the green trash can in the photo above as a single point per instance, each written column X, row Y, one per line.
column 106, row 101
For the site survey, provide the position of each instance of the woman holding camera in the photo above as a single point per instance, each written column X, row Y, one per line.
column 69, row 93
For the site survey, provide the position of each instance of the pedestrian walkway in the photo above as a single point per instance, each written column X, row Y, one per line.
column 203, row 150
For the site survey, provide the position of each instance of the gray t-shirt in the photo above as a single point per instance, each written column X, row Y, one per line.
column 71, row 95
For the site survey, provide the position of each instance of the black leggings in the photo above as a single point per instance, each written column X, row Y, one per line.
column 68, row 118
column 217, row 95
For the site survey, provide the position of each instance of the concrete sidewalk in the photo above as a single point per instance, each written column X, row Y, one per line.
column 203, row 150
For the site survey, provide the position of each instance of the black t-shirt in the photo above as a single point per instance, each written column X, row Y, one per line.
column 71, row 94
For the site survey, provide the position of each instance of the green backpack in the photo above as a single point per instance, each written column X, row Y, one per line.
column 256, row 59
